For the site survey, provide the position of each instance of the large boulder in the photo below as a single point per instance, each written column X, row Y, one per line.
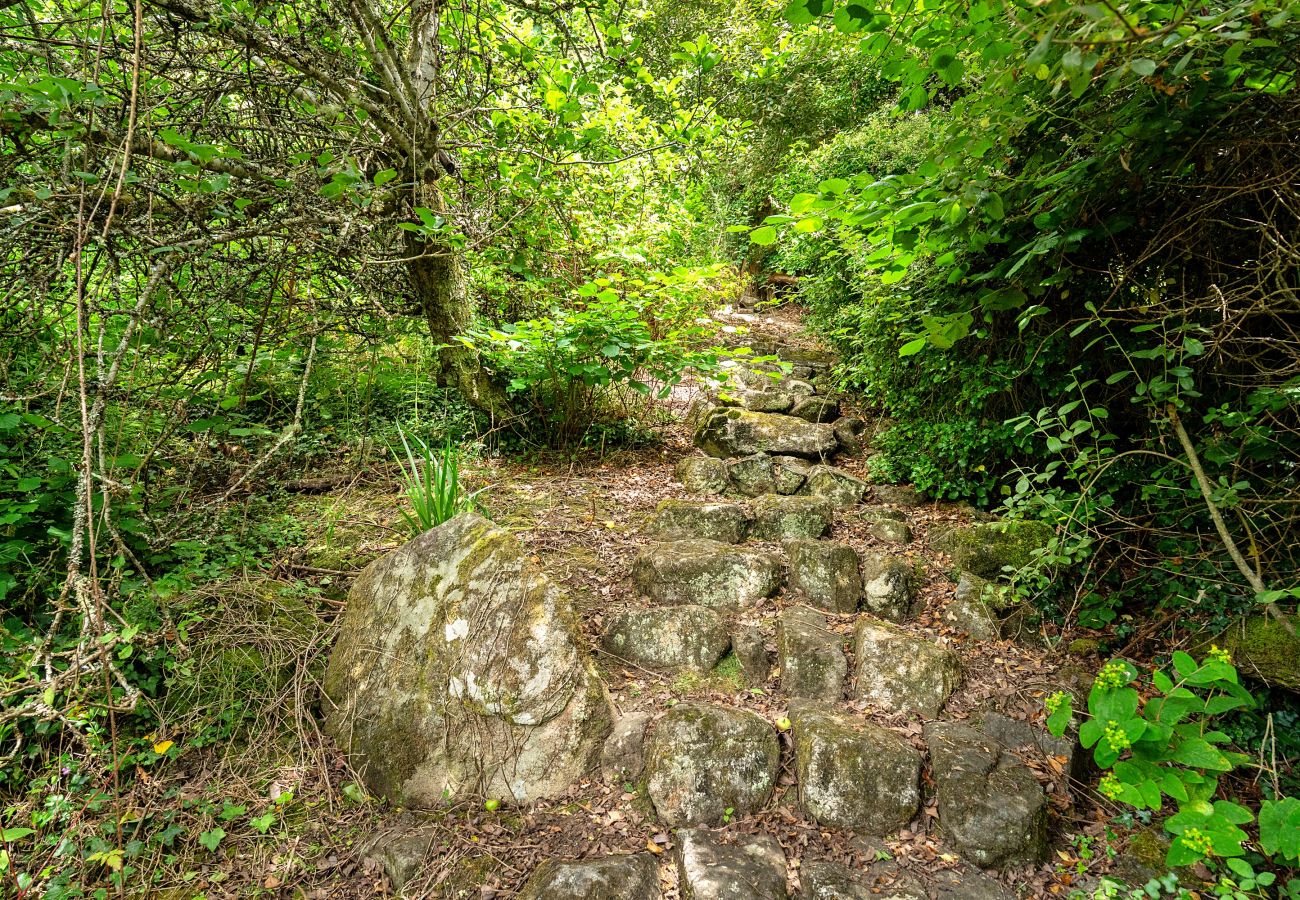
column 703, row 760
column 777, row 517
column 811, row 655
column 711, row 870
column 702, row 474
column 816, row 409
column 986, row 548
column 991, row 807
column 826, row 573
column 901, row 672
column 853, row 774
column 669, row 638
column 888, row 586
column 1263, row 649
column 729, row 432
column 675, row 519
column 627, row 876
column 836, row 486
column 459, row 672
column 706, row 573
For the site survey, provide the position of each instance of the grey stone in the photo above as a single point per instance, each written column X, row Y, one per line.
column 882, row 514
column 834, row 485
column 401, row 852
column 851, row 433
column 826, row 573
column 992, row 809
column 816, row 409
column 986, row 548
column 749, row 645
column 669, row 638
column 788, row 473
column 711, row 870
column 811, row 655
column 460, row 672
column 762, row 401
column 777, row 518
column 888, row 586
column 900, row 495
column 703, row 759
column 702, row 474
column 752, row 475
column 824, row 879
column 950, row 884
column 622, row 759
column 799, row 387
column 891, row 532
column 699, row 410
column 739, row 432
column 970, row 612
column 853, row 774
column 628, row 876
column 726, row 522
column 900, row 672
column 706, row 573
column 1016, row 734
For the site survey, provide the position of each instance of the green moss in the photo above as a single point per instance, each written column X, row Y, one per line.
column 726, row 677
column 1262, row 648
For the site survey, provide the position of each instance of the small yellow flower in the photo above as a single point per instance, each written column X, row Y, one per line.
column 1113, row 675
column 1199, row 841
column 1110, row 786
column 1220, row 655
column 1116, row 737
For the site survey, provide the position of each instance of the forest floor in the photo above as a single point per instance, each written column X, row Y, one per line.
column 582, row 518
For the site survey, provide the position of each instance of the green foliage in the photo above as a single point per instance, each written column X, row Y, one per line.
column 432, row 484
column 1164, row 743
column 623, row 339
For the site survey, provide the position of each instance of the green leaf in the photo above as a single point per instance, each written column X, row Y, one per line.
column 1142, row 66
column 911, row 348
column 764, row 236
column 1279, row 828
column 1199, row 754
column 212, row 839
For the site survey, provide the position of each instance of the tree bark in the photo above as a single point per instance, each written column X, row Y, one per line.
column 440, row 281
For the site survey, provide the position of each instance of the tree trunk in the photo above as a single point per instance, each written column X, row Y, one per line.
column 441, row 285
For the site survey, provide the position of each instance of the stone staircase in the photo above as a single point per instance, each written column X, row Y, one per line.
column 853, row 666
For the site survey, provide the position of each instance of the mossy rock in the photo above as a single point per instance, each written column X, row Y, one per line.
column 987, row 548
column 1261, row 648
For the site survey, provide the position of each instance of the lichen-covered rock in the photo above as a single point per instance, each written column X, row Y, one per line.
column 838, row 487
column 1263, row 649
column 900, row 495
column 668, row 638
column 727, row 432
column 811, row 655
column 970, row 884
column 703, row 474
column 826, row 573
column 777, row 518
column 759, row 401
column 992, row 809
column 703, row 759
column 851, row 433
column 816, row 409
column 887, row 524
column 622, row 759
column 853, row 774
column 888, row 586
column 706, row 573
column 969, row 609
column 824, row 879
column 401, row 852
column 710, row 870
column 789, row 473
column 676, row 519
column 986, row 548
column 627, row 876
column 749, row 644
column 459, row 671
column 901, row 672
column 752, row 475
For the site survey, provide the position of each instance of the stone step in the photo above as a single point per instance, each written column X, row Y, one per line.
column 706, row 573
column 727, row 432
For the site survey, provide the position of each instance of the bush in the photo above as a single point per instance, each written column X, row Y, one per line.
column 619, row 342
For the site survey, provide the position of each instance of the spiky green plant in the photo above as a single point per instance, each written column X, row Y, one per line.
column 431, row 482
